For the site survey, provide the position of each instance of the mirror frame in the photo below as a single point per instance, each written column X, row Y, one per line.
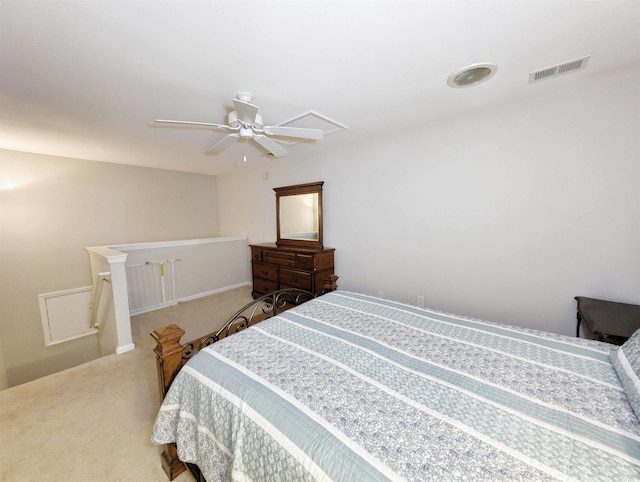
column 310, row 188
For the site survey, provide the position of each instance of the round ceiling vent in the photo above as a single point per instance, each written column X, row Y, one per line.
column 472, row 75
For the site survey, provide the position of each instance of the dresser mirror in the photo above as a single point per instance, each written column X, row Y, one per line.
column 299, row 215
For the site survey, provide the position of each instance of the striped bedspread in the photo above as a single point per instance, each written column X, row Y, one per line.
column 350, row 387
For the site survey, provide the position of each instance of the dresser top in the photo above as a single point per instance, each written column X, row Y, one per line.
column 293, row 249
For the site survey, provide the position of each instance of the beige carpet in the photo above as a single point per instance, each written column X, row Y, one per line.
column 93, row 422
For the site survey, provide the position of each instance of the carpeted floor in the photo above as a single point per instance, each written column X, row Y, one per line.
column 93, row 422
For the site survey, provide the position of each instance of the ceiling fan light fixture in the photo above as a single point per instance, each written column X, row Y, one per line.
column 471, row 75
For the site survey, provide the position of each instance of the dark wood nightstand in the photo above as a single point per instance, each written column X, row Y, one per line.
column 607, row 321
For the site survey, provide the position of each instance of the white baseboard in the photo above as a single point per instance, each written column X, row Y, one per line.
column 214, row 292
column 125, row 348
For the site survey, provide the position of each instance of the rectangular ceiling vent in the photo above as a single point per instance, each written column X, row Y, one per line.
column 560, row 69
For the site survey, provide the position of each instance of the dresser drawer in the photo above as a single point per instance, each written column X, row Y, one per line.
column 279, row 258
column 264, row 286
column 256, row 254
column 265, row 271
column 295, row 279
column 304, row 261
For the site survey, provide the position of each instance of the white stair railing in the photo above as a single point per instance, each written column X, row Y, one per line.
column 102, row 278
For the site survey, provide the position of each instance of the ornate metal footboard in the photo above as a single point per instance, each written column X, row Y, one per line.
column 264, row 307
column 171, row 355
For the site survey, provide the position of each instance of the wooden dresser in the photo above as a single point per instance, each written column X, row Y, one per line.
column 276, row 268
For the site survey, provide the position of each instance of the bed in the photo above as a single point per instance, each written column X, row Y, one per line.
column 351, row 387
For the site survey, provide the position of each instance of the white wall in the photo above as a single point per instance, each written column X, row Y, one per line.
column 504, row 214
column 52, row 208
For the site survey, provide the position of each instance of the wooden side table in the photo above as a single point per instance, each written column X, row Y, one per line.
column 608, row 321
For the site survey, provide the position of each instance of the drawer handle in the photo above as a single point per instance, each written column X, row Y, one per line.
column 294, row 280
column 265, row 273
column 303, row 263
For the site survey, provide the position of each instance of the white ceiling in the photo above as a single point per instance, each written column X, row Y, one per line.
column 86, row 79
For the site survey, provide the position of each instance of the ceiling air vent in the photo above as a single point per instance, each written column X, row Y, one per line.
column 560, row 69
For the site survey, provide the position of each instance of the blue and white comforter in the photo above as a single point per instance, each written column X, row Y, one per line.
column 349, row 387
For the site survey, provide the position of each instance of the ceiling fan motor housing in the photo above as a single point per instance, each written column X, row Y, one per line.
column 232, row 120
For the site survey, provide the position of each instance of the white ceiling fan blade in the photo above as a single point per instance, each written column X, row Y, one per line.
column 223, row 143
column 299, row 132
column 272, row 146
column 208, row 124
column 246, row 111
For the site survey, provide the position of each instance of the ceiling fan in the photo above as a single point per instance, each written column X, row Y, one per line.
column 246, row 123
